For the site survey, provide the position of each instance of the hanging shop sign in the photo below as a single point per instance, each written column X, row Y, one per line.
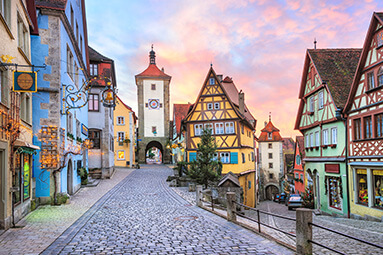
column 24, row 81
column 84, row 130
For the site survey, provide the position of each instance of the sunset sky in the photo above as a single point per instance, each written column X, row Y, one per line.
column 261, row 44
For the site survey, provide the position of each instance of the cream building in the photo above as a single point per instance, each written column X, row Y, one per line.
column 125, row 135
column 17, row 22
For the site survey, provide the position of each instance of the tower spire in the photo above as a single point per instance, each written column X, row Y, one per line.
column 315, row 43
column 152, row 56
column 269, row 116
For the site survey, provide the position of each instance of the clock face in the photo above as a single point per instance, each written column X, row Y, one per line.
column 154, row 103
column 25, row 81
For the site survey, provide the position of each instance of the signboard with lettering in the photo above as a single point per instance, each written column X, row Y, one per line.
column 331, row 168
column 24, row 81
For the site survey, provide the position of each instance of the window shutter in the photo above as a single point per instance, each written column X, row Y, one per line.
column 234, row 157
column 192, row 156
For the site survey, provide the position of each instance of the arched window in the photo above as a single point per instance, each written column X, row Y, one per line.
column 380, row 77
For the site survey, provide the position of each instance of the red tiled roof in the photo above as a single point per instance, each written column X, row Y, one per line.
column 179, row 112
column 336, row 67
column 288, row 145
column 129, row 108
column 52, row 4
column 270, row 129
column 301, row 145
column 153, row 71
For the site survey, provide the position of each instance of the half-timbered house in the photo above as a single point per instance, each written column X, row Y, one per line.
column 325, row 84
column 364, row 110
column 220, row 108
column 299, row 154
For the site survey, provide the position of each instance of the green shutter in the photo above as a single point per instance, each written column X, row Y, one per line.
column 192, row 156
column 234, row 158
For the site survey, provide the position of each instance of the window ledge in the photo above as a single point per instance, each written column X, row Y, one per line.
column 6, row 27
column 311, row 113
column 332, row 145
column 374, row 89
column 324, row 146
column 24, row 55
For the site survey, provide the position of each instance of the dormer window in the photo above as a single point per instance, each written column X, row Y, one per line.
column 269, row 136
column 93, row 70
column 211, row 81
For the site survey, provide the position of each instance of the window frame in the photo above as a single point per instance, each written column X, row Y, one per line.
column 209, row 106
column 226, row 156
column 334, row 139
column 317, row 139
column 229, row 128
column 92, row 102
column 320, row 100
column 198, row 129
column 118, row 157
column 70, row 62
column 211, row 81
column 120, row 136
column 380, row 77
column 357, row 127
column 219, row 128
column 209, row 126
column 378, row 125
column 153, row 86
column 93, row 69
column 325, row 137
column 217, row 106
column 367, row 124
column 370, row 80
column 311, row 104
column 122, row 122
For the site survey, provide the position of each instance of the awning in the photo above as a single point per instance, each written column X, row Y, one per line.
column 24, row 147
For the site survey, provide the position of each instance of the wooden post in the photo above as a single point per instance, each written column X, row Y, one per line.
column 198, row 193
column 231, row 207
column 304, row 231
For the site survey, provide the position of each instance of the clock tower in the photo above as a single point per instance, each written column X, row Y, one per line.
column 153, row 110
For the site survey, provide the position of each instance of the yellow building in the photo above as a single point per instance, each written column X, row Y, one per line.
column 221, row 108
column 125, row 134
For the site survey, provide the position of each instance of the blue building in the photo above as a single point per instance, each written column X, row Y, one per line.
column 58, row 130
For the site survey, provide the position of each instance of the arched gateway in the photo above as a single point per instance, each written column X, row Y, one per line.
column 153, row 110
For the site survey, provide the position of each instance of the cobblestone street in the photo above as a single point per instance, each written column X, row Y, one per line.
column 140, row 215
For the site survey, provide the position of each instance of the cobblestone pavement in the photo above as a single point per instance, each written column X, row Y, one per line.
column 366, row 230
column 46, row 223
column 144, row 216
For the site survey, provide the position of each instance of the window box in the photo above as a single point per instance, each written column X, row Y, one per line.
column 70, row 136
column 78, row 140
column 307, row 149
column 311, row 148
column 311, row 113
column 332, row 145
column 316, row 147
column 324, row 146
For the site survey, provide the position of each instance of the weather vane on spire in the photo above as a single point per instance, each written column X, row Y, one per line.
column 269, row 116
column 315, row 43
column 152, row 46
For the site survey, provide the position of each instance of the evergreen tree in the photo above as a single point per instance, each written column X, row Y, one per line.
column 205, row 169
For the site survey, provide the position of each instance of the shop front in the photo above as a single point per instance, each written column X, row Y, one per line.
column 367, row 190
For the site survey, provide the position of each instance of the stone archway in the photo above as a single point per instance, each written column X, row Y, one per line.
column 69, row 179
column 270, row 191
column 154, row 153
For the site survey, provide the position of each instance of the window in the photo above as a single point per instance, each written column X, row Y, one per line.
column 23, row 36
column 270, row 145
column 252, row 156
column 367, row 127
column 93, row 70
column 71, row 17
column 320, row 100
column 154, row 86
column 378, row 187
column 154, row 130
column 120, row 155
column 370, row 80
column 302, row 177
column 335, row 198
column 307, row 141
column 78, row 128
column 225, row 157
column 317, row 139
column 4, row 88
column 219, row 128
column 111, row 143
column 69, row 64
column 22, row 177
column 215, row 157
column 5, row 6
column 380, row 77
column 270, row 165
column 311, row 101
column 325, row 137
column 270, row 136
column 120, row 120
column 229, row 127
column 216, row 106
column 379, row 38
column 379, row 125
column 69, row 123
column 76, row 31
column 81, row 44
column 296, row 176
column 311, row 139
column 270, row 155
column 76, row 79
column 334, row 136
column 211, row 81
column 93, row 103
column 209, row 126
column 120, row 136
column 357, row 129
column 210, row 106
column 271, row 175
column 298, row 160
column 361, row 178
column 243, row 129
column 243, row 158
column 94, row 136
column 25, row 107
column 197, row 129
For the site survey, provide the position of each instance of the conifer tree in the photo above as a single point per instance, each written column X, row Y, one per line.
column 206, row 168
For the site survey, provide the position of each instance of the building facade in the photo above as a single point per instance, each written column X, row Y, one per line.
column 101, row 127
column 16, row 149
column 153, row 110
column 270, row 144
column 220, row 108
column 364, row 127
column 125, row 123
column 59, row 123
column 299, row 174
column 326, row 82
column 178, row 143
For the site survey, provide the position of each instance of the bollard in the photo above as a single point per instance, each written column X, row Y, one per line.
column 304, row 231
column 231, row 206
column 198, row 192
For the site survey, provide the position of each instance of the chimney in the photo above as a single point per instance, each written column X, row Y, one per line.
column 241, row 102
column 220, row 77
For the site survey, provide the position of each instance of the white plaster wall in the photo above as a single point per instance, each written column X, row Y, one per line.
column 154, row 117
column 276, row 160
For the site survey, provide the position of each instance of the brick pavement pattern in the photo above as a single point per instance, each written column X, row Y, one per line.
column 46, row 223
column 142, row 215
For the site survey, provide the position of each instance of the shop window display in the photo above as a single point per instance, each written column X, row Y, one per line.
column 27, row 175
column 361, row 175
column 335, row 192
column 378, row 187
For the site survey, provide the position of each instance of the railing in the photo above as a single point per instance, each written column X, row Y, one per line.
column 304, row 223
